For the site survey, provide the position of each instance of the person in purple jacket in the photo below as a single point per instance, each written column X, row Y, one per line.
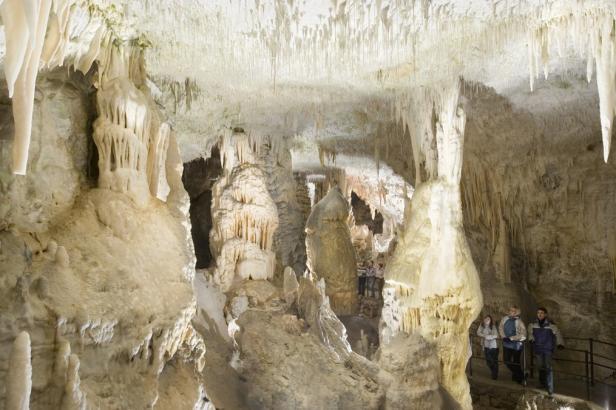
column 545, row 337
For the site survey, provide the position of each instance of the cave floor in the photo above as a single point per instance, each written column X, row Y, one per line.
column 504, row 393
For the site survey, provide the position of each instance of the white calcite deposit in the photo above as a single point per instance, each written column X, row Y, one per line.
column 477, row 133
column 432, row 285
column 244, row 216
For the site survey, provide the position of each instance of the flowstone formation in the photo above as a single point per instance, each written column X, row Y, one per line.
column 244, row 216
column 330, row 251
column 96, row 294
column 432, row 286
column 131, row 140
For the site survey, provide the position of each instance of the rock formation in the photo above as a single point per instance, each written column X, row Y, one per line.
column 244, row 216
column 478, row 135
column 331, row 255
column 432, row 286
column 96, row 294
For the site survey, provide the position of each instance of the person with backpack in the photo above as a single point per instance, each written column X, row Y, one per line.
column 545, row 337
column 513, row 332
column 488, row 331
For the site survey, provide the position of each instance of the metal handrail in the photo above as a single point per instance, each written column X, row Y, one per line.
column 605, row 357
column 591, row 338
column 588, row 362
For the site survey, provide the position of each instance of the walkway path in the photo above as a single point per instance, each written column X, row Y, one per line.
column 504, row 394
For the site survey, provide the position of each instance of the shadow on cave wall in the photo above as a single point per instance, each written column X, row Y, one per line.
column 198, row 178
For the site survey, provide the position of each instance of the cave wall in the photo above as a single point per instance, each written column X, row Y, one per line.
column 59, row 152
column 539, row 209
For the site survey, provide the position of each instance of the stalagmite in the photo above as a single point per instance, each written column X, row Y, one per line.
column 290, row 285
column 330, row 251
column 19, row 377
column 74, row 398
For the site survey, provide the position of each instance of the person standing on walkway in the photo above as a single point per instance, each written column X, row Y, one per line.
column 513, row 332
column 361, row 280
column 545, row 337
column 370, row 279
column 488, row 332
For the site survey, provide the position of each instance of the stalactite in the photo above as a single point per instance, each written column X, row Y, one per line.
column 157, row 155
column 84, row 62
column 25, row 41
column 131, row 141
column 57, row 33
column 594, row 37
column 605, row 55
column 326, row 156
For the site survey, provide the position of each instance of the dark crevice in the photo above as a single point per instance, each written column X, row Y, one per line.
column 198, row 178
column 363, row 216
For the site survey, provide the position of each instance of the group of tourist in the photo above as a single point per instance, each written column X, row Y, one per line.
column 542, row 333
column 370, row 279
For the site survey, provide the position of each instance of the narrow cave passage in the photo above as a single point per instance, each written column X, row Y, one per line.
column 198, row 178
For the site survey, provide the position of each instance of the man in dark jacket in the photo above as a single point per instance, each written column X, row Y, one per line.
column 545, row 337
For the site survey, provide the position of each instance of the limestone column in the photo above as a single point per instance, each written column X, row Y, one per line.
column 432, row 285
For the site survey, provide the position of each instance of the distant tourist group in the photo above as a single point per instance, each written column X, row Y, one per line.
column 542, row 334
column 370, row 279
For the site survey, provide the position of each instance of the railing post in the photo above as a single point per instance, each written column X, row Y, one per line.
column 592, row 362
column 532, row 361
column 524, row 363
column 587, row 375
